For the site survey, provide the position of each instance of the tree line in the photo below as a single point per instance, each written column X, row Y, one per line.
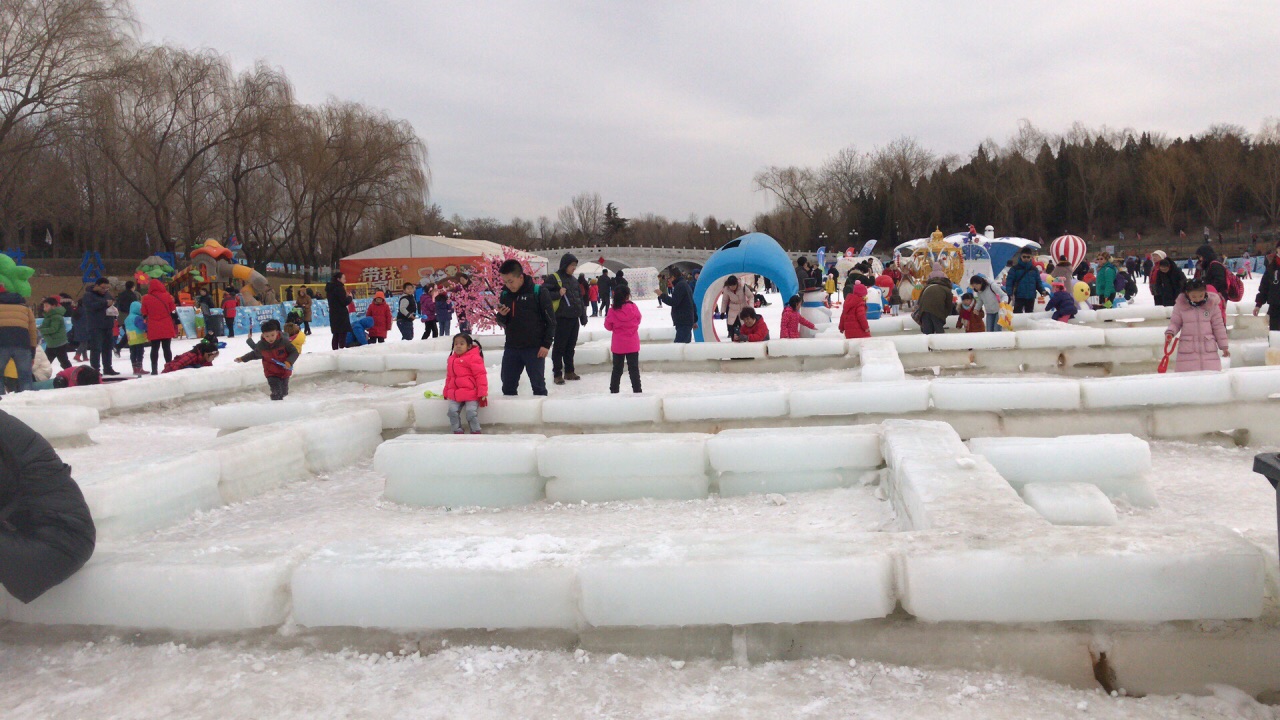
column 1093, row 182
column 114, row 146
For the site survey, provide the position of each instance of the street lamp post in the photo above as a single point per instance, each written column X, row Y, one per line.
column 704, row 233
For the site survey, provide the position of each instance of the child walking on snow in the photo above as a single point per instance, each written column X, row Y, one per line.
column 277, row 355
column 466, row 383
column 624, row 321
column 792, row 319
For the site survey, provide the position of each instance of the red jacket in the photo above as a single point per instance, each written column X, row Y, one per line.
column 229, row 306
column 756, row 333
column 381, row 314
column 192, row 358
column 971, row 320
column 465, row 379
column 853, row 316
column 791, row 322
column 157, row 309
column 273, row 355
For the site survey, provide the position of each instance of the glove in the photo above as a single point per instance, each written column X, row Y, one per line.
column 583, row 321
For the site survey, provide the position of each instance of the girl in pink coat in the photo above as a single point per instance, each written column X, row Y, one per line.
column 466, row 384
column 1198, row 316
column 624, row 321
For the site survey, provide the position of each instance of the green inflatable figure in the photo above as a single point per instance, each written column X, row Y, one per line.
column 15, row 277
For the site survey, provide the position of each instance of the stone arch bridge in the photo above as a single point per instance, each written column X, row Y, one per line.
column 621, row 258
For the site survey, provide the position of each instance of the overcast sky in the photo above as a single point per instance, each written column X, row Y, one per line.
column 671, row 107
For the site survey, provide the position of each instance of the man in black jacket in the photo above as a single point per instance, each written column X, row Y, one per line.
column 46, row 533
column 335, row 292
column 524, row 311
column 124, row 301
column 96, row 301
column 1269, row 290
column 571, row 313
column 683, row 313
column 605, row 286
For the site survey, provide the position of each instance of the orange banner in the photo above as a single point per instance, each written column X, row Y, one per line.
column 390, row 274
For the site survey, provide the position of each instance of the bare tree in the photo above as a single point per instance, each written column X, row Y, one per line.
column 582, row 219
column 1218, row 165
column 1164, row 182
column 1263, row 170
column 50, row 51
column 1095, row 168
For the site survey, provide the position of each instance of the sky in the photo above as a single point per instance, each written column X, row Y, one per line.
column 672, row 107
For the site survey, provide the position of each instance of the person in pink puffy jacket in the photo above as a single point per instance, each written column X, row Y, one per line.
column 623, row 321
column 466, row 383
column 1197, row 315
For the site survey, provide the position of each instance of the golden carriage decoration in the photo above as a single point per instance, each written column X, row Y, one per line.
column 938, row 254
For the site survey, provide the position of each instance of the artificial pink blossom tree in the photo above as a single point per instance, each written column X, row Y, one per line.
column 475, row 295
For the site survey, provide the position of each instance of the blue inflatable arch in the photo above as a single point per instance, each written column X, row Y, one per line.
column 755, row 253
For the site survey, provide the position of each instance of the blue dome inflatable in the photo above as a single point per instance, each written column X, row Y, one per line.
column 755, row 253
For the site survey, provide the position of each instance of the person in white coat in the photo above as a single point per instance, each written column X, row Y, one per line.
column 990, row 296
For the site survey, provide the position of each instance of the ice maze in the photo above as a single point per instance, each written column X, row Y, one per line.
column 992, row 483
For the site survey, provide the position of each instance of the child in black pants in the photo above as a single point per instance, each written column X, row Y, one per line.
column 277, row 355
column 624, row 321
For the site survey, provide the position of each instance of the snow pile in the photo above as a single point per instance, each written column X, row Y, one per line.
column 726, row 405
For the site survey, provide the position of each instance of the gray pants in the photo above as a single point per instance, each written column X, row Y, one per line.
column 455, row 409
column 22, row 358
column 279, row 387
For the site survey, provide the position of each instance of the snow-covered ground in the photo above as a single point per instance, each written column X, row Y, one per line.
column 58, row 674
column 120, row 678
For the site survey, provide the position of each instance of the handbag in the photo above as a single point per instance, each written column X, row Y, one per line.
column 1005, row 319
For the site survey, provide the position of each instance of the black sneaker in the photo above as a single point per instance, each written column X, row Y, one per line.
column 110, row 372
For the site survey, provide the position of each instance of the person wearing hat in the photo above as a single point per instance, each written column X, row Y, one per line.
column 380, row 311
column 1062, row 303
column 571, row 315
column 46, row 532
column 202, row 355
column 277, row 355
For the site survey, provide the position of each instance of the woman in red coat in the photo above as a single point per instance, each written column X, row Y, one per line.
column 157, row 310
column 380, row 311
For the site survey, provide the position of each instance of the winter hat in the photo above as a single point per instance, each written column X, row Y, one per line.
column 271, row 325
column 379, row 295
column 566, row 260
column 52, row 299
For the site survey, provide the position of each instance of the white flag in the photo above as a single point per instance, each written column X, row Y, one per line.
column 48, row 237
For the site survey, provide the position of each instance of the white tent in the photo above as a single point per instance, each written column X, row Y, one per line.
column 423, row 258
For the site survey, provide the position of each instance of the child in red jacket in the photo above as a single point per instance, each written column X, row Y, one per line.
column 853, row 316
column 277, row 355
column 380, row 311
column 751, row 328
column 971, row 318
column 792, row 319
column 466, row 383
